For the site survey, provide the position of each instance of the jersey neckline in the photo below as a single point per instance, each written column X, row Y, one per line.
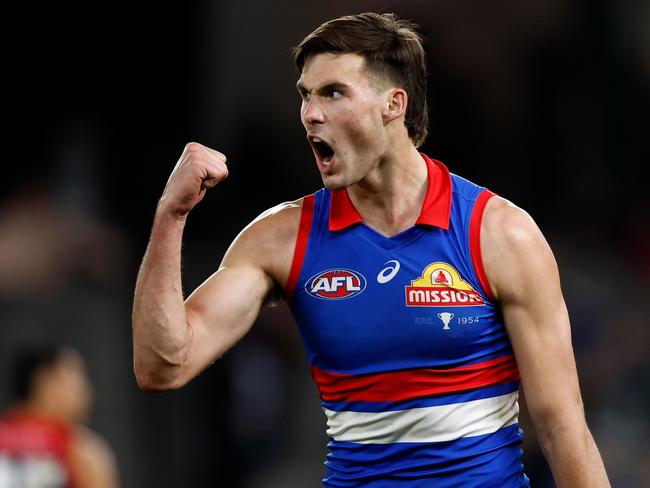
column 435, row 211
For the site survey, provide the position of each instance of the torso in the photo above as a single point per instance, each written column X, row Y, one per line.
column 34, row 452
column 410, row 355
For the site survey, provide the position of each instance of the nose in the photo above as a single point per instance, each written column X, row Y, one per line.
column 312, row 112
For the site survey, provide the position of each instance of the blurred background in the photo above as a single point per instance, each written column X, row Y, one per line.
column 546, row 102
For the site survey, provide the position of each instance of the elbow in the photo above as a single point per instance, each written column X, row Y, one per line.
column 561, row 433
column 149, row 384
column 562, row 428
column 158, row 379
column 162, row 364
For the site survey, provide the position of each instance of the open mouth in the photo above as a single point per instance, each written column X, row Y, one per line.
column 323, row 150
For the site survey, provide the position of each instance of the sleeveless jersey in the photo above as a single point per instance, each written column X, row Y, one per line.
column 407, row 347
column 34, row 452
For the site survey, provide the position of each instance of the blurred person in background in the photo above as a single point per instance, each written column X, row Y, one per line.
column 416, row 363
column 43, row 442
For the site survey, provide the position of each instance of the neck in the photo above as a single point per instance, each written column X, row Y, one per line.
column 390, row 197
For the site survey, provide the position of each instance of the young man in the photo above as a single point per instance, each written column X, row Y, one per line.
column 422, row 299
column 42, row 439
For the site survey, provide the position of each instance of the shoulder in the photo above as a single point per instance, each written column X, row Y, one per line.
column 89, row 443
column 503, row 219
column 268, row 241
column 277, row 221
column 276, row 226
column 92, row 460
column 515, row 252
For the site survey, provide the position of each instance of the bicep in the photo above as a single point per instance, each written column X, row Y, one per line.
column 223, row 309
column 523, row 272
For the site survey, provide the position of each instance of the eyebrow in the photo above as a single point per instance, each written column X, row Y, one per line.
column 333, row 85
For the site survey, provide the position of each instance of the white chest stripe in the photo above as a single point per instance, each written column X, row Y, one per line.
column 430, row 424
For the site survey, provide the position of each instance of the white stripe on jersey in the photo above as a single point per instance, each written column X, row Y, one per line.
column 430, row 424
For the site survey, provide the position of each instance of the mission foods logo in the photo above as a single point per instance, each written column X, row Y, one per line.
column 336, row 284
column 441, row 286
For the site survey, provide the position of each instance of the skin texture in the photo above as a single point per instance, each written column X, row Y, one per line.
column 362, row 120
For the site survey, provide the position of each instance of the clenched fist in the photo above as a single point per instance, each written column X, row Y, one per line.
column 198, row 169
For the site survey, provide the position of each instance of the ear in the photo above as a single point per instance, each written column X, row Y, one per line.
column 394, row 105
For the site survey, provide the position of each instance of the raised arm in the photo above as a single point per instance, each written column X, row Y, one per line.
column 174, row 340
column 524, row 278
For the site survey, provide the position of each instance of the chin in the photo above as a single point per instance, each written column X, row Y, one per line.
column 332, row 183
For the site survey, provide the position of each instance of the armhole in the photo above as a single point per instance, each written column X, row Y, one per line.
column 306, row 218
column 475, row 240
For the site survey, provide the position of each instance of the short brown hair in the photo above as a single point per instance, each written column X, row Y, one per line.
column 392, row 49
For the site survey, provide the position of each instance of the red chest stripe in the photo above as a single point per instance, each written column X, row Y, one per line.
column 416, row 383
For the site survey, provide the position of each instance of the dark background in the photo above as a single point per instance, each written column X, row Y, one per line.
column 546, row 102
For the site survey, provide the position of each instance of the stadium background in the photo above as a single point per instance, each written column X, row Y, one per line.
column 546, row 102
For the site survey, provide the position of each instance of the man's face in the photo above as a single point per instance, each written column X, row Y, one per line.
column 342, row 112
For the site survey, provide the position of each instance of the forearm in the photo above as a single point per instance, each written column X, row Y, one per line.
column 573, row 457
column 161, row 335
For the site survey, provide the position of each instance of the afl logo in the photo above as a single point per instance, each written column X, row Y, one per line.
column 335, row 284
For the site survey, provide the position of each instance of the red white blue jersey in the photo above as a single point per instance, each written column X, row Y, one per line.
column 408, row 349
column 34, row 452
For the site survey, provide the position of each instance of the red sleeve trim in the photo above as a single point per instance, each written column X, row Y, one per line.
column 306, row 218
column 475, row 240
